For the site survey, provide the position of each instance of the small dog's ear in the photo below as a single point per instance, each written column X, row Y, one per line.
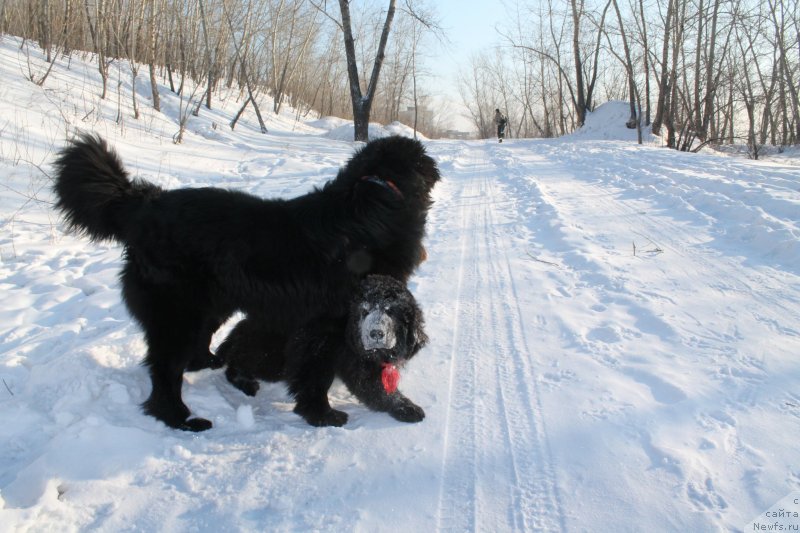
column 416, row 338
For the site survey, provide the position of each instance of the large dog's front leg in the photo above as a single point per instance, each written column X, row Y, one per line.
column 166, row 362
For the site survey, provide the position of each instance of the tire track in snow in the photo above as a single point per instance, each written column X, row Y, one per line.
column 496, row 471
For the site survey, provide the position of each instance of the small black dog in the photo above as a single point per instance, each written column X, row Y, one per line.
column 195, row 256
column 383, row 330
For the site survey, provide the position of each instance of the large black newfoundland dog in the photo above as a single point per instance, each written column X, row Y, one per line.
column 194, row 256
column 365, row 349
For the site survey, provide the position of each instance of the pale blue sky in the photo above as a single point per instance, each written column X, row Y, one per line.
column 470, row 26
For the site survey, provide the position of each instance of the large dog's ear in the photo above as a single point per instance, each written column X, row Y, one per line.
column 374, row 190
column 378, row 211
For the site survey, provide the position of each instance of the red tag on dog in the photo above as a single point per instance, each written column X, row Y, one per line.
column 390, row 377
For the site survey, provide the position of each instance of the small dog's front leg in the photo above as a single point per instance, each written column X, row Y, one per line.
column 366, row 385
column 320, row 414
column 405, row 410
column 310, row 372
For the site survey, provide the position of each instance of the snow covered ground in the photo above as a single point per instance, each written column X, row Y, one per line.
column 614, row 329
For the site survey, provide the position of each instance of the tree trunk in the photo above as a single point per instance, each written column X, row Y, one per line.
column 711, row 80
column 209, row 59
column 790, row 83
column 633, row 120
column 646, row 59
column 97, row 33
column 243, row 63
column 664, row 82
column 362, row 103
column 580, row 89
column 153, row 49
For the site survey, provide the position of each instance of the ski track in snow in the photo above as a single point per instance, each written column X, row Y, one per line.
column 491, row 404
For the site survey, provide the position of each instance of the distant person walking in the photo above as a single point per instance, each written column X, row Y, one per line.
column 501, row 120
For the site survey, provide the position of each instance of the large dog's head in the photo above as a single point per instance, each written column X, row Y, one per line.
column 399, row 165
column 387, row 188
column 385, row 323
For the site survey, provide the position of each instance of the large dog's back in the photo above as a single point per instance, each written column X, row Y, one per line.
column 93, row 189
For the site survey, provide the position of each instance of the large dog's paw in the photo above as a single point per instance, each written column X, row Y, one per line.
column 173, row 412
column 196, row 424
column 407, row 412
column 331, row 417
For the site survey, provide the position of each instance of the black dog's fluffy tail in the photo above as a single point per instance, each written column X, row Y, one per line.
column 93, row 189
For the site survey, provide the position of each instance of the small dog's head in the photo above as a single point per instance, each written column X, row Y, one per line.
column 386, row 324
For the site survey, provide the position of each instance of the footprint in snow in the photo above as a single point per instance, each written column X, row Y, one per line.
column 662, row 391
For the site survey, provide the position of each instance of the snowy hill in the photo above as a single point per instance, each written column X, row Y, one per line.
column 614, row 337
column 607, row 123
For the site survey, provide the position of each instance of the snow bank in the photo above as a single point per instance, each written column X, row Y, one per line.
column 346, row 132
column 328, row 123
column 607, row 123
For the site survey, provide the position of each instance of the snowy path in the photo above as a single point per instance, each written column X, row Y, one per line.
column 613, row 327
column 491, row 402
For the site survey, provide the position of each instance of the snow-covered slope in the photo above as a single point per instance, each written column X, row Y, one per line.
column 607, row 123
column 614, row 346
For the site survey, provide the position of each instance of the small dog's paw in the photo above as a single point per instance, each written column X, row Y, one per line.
column 408, row 412
column 196, row 424
column 215, row 362
column 248, row 386
column 331, row 417
column 207, row 360
column 335, row 418
column 241, row 381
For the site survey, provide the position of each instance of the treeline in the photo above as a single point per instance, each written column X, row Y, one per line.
column 697, row 71
column 291, row 50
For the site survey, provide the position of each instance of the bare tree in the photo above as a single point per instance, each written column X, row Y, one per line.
column 633, row 121
column 745, row 42
column 561, row 57
column 663, row 84
column 580, row 89
column 135, row 22
column 152, row 52
column 641, row 22
column 98, row 32
column 362, row 102
column 478, row 92
column 777, row 14
column 210, row 59
column 250, row 96
column 293, row 30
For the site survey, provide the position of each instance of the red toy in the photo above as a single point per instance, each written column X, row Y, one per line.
column 390, row 377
